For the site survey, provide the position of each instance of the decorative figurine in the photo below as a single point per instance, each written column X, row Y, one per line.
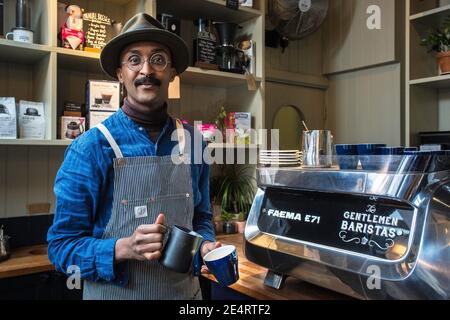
column 72, row 35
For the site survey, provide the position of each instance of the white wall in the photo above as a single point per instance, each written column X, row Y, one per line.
column 364, row 106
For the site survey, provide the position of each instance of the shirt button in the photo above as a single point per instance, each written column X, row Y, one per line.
column 140, row 128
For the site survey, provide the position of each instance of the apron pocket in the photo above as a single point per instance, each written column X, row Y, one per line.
column 175, row 208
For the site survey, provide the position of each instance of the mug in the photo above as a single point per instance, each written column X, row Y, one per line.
column 180, row 248
column 223, row 264
column 21, row 35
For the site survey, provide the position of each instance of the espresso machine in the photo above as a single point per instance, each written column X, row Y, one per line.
column 365, row 234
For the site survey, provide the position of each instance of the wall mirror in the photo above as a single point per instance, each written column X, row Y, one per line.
column 288, row 119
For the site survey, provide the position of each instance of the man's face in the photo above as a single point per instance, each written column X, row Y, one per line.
column 146, row 86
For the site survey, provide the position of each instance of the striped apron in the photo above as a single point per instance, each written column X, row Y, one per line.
column 143, row 188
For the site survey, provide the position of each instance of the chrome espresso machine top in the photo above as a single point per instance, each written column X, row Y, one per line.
column 366, row 234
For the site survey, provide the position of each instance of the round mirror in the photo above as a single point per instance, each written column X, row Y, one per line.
column 288, row 119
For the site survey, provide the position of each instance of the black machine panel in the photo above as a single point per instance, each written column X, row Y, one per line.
column 365, row 225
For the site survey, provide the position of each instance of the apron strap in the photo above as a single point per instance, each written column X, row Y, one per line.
column 181, row 137
column 111, row 140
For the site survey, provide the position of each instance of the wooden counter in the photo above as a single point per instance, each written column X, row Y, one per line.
column 251, row 280
column 34, row 259
column 24, row 261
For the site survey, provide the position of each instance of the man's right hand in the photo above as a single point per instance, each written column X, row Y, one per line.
column 145, row 243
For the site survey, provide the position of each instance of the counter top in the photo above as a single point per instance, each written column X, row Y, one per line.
column 24, row 261
column 251, row 282
column 29, row 260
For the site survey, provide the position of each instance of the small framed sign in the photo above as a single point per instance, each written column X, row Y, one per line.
column 98, row 31
column 205, row 51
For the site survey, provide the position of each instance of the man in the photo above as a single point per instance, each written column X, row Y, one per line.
column 119, row 187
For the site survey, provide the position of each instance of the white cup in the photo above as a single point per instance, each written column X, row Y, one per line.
column 21, row 35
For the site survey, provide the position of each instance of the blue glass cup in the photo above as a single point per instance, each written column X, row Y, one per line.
column 369, row 155
column 347, row 156
column 392, row 157
column 223, row 264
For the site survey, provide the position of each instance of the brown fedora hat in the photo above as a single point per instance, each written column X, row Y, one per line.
column 143, row 27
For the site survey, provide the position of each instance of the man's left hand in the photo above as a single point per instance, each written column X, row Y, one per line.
column 207, row 247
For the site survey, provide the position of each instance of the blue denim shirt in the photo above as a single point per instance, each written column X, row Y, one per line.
column 84, row 192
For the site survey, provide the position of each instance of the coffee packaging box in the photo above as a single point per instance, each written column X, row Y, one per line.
column 72, row 127
column 97, row 117
column 8, row 119
column 31, row 120
column 242, row 127
column 72, row 109
column 102, row 96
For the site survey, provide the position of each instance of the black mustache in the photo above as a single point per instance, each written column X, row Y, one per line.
column 151, row 80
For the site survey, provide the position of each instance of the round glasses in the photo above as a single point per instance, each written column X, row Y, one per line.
column 158, row 62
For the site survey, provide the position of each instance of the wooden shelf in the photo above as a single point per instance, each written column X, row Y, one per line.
column 432, row 18
column 438, row 82
column 212, row 9
column 119, row 2
column 213, row 78
column 297, row 79
column 78, row 60
column 89, row 61
column 29, row 142
column 28, row 53
column 232, row 146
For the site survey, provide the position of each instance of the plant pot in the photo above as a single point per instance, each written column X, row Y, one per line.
column 218, row 227
column 444, row 62
column 229, row 227
column 240, row 226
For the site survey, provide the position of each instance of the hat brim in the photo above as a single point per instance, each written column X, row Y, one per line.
column 110, row 55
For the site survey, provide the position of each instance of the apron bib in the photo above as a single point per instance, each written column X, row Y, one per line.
column 143, row 188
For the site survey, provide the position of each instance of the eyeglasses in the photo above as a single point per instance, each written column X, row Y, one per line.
column 158, row 61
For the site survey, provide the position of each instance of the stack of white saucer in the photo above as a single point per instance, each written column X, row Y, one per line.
column 280, row 158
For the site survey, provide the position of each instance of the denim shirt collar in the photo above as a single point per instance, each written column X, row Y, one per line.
column 167, row 129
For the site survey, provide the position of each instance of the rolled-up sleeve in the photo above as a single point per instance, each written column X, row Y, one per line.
column 202, row 222
column 70, row 238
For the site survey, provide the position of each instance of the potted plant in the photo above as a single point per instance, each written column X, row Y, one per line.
column 221, row 121
column 237, row 192
column 228, row 224
column 439, row 41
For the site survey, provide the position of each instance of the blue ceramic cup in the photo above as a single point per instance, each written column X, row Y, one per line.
column 347, row 155
column 223, row 264
column 369, row 155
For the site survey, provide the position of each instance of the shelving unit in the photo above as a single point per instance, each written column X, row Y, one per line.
column 438, row 82
column 45, row 72
column 427, row 105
